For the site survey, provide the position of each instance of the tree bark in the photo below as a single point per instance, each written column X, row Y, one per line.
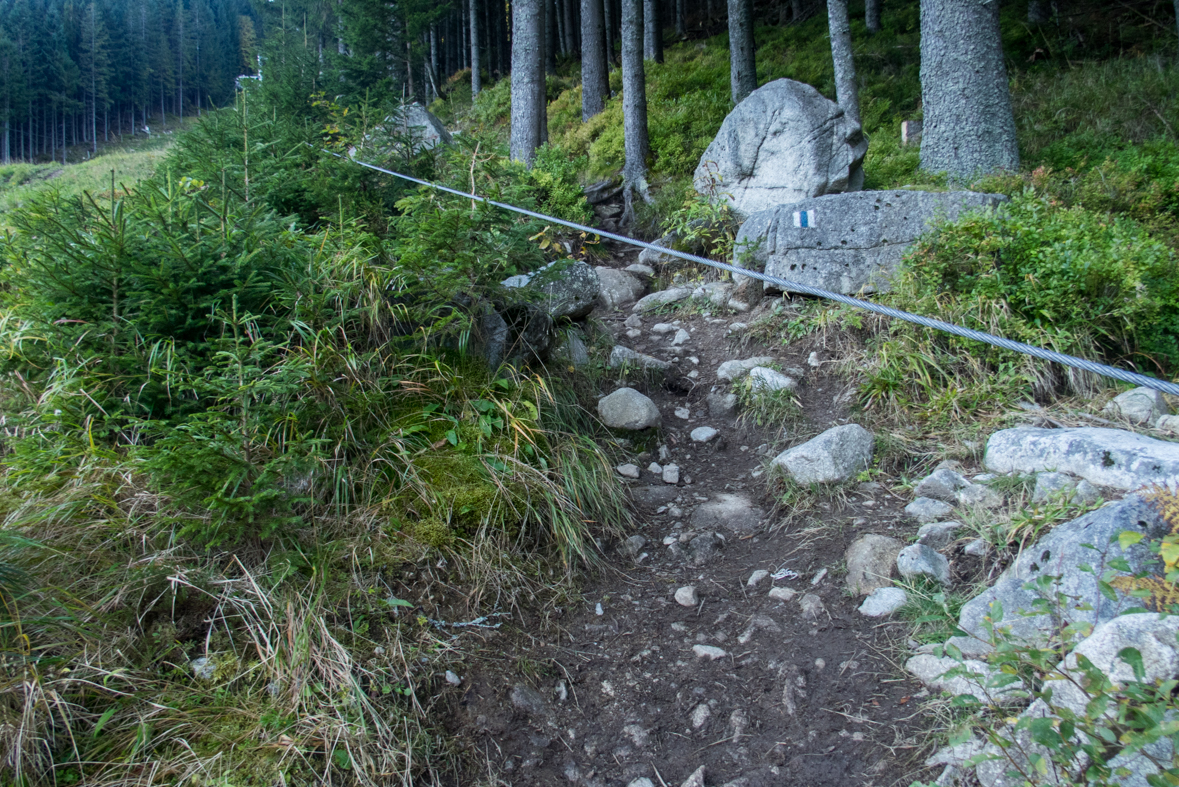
column 652, row 31
column 969, row 128
column 608, row 16
column 595, row 83
column 528, row 106
column 550, row 37
column 872, row 15
column 681, row 19
column 846, row 92
column 570, row 33
column 742, row 64
column 634, row 106
column 476, row 78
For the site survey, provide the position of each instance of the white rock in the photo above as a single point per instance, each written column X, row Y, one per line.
column 1103, row 457
column 943, row 484
column 624, row 357
column 453, row 679
column 683, row 413
column 662, row 298
column 702, row 434
column 203, row 668
column 671, row 474
column 836, row 455
column 681, row 337
column 883, row 601
column 756, row 577
column 642, row 781
column 633, row 321
column 696, row 779
column 618, row 288
column 938, row 535
column 932, row 671
column 628, row 471
column 762, row 379
column 979, row 496
column 700, row 715
column 735, row 370
column 662, row 327
column 710, row 652
column 978, row 548
column 686, row 596
column 655, row 468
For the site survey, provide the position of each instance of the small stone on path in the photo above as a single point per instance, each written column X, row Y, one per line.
column 938, row 535
column 812, row 606
column 883, row 601
column 655, row 468
column 756, row 577
column 686, row 596
column 735, row 370
column 764, row 380
column 710, row 652
column 977, row 548
column 453, row 679
column 683, row 413
column 702, row 434
column 628, row 471
column 671, row 474
column 926, row 509
column 782, row 594
column 628, row 409
column 681, row 337
column 979, row 496
column 722, row 405
column 700, row 715
column 696, row 779
column 919, row 559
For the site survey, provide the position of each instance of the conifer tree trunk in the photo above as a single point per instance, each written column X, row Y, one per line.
column 846, row 92
column 550, row 37
column 681, row 19
column 595, row 84
column 608, row 17
column 742, row 53
column 476, row 84
column 969, row 128
column 652, row 31
column 570, row 28
column 872, row 15
column 529, row 119
column 634, row 106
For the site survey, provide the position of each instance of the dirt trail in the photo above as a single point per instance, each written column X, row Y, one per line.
column 754, row 688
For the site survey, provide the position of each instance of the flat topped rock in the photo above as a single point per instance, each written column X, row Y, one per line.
column 628, row 409
column 835, row 455
column 1103, row 457
column 736, row 512
column 847, row 243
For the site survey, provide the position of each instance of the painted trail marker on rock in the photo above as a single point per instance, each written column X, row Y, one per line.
column 805, row 219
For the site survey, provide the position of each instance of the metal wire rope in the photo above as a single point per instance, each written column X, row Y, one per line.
column 927, row 322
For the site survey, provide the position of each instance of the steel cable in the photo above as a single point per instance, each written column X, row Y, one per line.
column 928, row 322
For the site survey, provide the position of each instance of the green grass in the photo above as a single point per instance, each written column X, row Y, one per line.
column 131, row 162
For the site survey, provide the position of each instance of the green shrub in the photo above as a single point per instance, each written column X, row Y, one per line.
column 1068, row 279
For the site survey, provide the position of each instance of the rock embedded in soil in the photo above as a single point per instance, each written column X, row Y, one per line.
column 671, row 474
column 1059, row 559
column 941, row 485
column 920, row 560
column 979, row 496
column 634, row 545
column 618, row 288
column 883, row 601
column 926, row 509
column 696, row 779
column 870, row 561
column 628, row 471
column 782, row 594
column 621, row 357
column 836, row 455
column 721, row 405
column 735, row 370
column 811, row 606
column 710, row 652
column 681, row 337
column 704, row 547
column 653, row 496
column 702, row 434
column 931, row 671
column 1168, row 424
column 1103, row 457
column 661, row 328
column 686, row 596
column 527, row 699
column 977, row 548
column 762, row 380
column 563, row 288
column 1053, row 486
column 1140, row 406
column 639, row 269
column 661, row 298
column 938, row 535
column 1085, row 494
column 734, row 512
column 756, row 577
column 628, row 409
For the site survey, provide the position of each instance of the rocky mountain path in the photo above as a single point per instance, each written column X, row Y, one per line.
column 716, row 637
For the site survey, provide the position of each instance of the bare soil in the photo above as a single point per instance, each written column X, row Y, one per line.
column 618, row 693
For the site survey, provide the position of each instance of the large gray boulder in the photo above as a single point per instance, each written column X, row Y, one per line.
column 848, row 243
column 784, row 143
column 1138, row 406
column 835, row 455
column 565, row 288
column 1054, row 566
column 628, row 409
column 412, row 129
column 1103, row 457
